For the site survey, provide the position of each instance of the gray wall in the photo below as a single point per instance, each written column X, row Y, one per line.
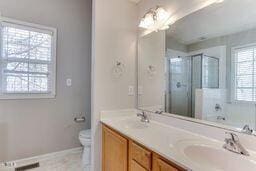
column 114, row 37
column 173, row 44
column 33, row 127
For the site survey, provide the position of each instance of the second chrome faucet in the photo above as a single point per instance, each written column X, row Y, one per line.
column 233, row 144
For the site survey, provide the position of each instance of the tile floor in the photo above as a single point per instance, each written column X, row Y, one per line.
column 67, row 162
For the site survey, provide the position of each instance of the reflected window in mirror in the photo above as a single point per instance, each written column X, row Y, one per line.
column 244, row 76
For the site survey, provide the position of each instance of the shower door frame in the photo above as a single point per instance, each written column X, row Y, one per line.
column 201, row 81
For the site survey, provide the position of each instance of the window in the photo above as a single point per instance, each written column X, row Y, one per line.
column 245, row 73
column 28, row 59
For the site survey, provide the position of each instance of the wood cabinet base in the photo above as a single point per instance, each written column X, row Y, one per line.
column 115, row 151
column 120, row 153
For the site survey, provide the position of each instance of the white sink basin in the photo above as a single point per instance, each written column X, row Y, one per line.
column 212, row 155
column 132, row 123
column 135, row 124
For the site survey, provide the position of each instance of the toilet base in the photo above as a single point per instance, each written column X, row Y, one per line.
column 85, row 139
column 86, row 161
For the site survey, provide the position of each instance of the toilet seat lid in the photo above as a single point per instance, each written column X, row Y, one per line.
column 85, row 134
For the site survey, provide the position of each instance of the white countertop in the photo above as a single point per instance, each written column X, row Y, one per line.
column 169, row 141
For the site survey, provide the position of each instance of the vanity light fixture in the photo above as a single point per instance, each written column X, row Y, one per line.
column 155, row 19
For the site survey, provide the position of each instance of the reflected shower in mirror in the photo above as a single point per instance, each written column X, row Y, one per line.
column 203, row 66
column 184, row 76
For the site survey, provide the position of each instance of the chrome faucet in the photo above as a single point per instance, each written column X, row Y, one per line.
column 159, row 112
column 222, row 118
column 247, row 130
column 233, row 144
column 144, row 117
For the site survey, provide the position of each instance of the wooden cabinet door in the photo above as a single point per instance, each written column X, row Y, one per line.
column 114, row 151
column 136, row 167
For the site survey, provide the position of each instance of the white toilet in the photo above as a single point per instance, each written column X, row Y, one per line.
column 85, row 139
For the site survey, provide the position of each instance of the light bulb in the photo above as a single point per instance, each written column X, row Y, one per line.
column 142, row 23
column 147, row 21
column 155, row 19
column 161, row 14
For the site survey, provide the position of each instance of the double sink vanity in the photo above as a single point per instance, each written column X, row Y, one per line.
column 131, row 143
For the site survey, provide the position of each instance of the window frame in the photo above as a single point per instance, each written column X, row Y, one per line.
column 36, row 28
column 233, row 74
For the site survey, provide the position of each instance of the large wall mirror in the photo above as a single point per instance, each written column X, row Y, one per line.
column 203, row 66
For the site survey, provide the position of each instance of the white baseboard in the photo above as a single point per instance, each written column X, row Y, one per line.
column 26, row 161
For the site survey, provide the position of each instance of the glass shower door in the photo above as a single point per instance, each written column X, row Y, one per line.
column 179, row 86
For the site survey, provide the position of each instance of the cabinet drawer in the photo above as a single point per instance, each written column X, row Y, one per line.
column 163, row 166
column 141, row 155
column 136, row 167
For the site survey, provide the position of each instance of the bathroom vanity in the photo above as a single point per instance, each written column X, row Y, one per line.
column 131, row 145
column 121, row 153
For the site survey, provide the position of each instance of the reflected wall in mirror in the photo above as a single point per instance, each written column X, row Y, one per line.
column 204, row 66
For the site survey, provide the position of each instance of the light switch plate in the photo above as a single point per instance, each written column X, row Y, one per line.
column 140, row 90
column 69, row 82
column 131, row 90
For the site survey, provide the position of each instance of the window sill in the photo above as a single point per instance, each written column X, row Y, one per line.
column 240, row 102
column 27, row 96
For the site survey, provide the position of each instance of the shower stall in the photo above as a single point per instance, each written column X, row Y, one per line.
column 184, row 76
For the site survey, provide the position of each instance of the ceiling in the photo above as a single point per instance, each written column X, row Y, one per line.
column 216, row 20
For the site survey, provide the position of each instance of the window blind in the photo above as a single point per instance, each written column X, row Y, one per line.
column 245, row 74
column 27, row 63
